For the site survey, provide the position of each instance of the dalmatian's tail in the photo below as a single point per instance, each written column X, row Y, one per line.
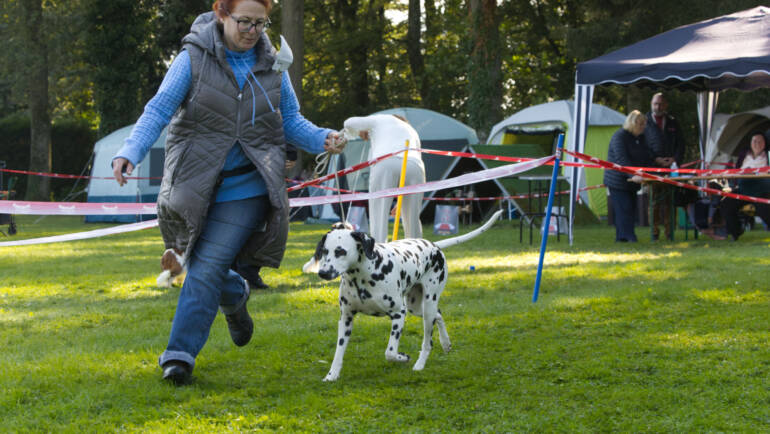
column 473, row 234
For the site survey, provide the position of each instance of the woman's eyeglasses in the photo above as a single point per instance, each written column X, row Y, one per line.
column 245, row 25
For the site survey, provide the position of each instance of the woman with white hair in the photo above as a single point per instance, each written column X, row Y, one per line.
column 627, row 148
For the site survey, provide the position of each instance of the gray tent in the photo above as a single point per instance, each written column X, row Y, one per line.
column 731, row 132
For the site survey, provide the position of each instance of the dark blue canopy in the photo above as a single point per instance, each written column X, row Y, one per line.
column 728, row 52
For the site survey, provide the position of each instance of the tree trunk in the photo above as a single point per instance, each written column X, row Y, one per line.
column 38, row 188
column 293, row 29
column 485, row 94
column 414, row 52
column 357, row 57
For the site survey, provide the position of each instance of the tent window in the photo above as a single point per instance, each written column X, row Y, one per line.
column 156, row 165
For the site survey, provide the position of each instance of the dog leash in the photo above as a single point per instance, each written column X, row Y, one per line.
column 322, row 162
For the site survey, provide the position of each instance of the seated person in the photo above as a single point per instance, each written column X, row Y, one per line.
column 754, row 156
column 705, row 216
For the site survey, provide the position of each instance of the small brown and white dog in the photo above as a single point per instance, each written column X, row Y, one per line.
column 172, row 267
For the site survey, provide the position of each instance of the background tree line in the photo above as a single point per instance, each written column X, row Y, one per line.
column 89, row 66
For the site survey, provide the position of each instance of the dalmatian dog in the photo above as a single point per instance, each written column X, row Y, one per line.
column 386, row 279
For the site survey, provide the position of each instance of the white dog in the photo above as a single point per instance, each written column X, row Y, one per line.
column 172, row 266
column 386, row 279
column 389, row 133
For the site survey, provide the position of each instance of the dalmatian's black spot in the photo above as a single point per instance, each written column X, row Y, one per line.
column 371, row 282
column 403, row 274
column 387, row 268
column 378, row 260
column 435, row 296
column 342, row 342
column 378, row 276
column 395, row 316
column 395, row 326
column 340, row 252
column 408, row 281
column 343, row 300
column 347, row 332
column 441, row 276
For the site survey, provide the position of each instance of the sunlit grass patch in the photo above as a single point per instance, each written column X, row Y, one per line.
column 661, row 337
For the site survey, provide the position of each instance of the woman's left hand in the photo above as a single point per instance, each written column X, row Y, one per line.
column 335, row 143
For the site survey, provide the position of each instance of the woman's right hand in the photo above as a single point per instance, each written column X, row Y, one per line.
column 119, row 165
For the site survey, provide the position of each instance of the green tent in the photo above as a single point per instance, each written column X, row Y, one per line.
column 534, row 130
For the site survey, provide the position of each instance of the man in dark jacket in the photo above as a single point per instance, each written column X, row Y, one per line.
column 664, row 136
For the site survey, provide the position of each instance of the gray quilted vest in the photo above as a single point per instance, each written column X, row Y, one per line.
column 215, row 115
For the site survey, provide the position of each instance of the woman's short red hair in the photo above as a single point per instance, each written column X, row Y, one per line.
column 223, row 7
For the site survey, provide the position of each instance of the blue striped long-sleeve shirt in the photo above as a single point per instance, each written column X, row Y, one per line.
column 171, row 93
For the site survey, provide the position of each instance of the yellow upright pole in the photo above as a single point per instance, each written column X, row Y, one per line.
column 398, row 201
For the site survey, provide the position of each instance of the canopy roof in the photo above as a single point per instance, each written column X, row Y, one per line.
column 727, row 52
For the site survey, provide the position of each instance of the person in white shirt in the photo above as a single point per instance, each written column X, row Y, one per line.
column 386, row 134
column 753, row 157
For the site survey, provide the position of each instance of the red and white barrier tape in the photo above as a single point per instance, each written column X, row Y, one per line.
column 84, row 208
column 74, row 208
column 61, row 175
column 613, row 166
column 470, row 178
column 83, row 235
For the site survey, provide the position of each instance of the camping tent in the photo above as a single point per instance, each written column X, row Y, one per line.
column 730, row 133
column 436, row 131
column 103, row 188
column 554, row 117
column 727, row 52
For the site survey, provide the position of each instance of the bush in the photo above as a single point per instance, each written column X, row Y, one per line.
column 72, row 143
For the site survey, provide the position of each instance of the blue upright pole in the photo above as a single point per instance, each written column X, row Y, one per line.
column 544, row 240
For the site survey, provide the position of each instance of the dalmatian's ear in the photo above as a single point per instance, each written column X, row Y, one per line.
column 366, row 242
column 312, row 266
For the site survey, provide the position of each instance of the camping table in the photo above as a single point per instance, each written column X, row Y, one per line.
column 532, row 213
column 672, row 215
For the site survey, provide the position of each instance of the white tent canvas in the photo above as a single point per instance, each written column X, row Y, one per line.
column 558, row 115
column 730, row 133
column 135, row 190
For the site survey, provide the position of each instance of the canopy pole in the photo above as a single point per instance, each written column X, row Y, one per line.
column 581, row 113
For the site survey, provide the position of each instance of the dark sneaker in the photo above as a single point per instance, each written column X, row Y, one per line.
column 239, row 323
column 177, row 372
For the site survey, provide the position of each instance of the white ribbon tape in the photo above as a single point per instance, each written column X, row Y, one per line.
column 83, row 235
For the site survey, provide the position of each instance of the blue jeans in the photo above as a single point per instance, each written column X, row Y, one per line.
column 210, row 283
column 624, row 212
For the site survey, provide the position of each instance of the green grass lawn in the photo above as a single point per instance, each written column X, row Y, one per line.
column 657, row 337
